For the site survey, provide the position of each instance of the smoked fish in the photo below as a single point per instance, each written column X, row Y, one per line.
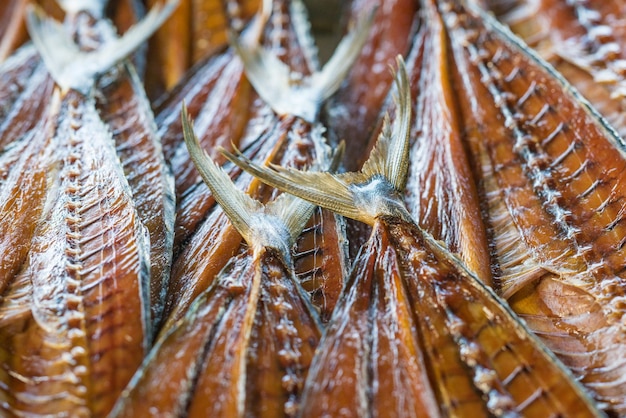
column 75, row 319
column 282, row 121
column 245, row 345
column 415, row 332
column 585, row 41
column 550, row 170
column 440, row 193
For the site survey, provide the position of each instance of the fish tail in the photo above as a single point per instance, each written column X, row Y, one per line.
column 291, row 93
column 74, row 69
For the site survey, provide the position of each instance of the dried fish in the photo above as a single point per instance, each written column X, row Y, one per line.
column 245, row 345
column 354, row 111
column 195, row 31
column 416, row 333
column 75, row 320
column 440, row 192
column 273, row 134
column 123, row 106
column 586, row 42
column 550, row 170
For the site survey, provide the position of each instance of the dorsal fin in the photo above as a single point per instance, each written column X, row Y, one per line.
column 363, row 196
column 293, row 94
column 252, row 219
column 72, row 68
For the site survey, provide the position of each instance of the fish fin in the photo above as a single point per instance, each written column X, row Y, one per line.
column 290, row 93
column 75, row 69
column 390, row 156
column 350, row 194
column 236, row 204
column 328, row 190
column 292, row 210
column 335, row 70
column 54, row 44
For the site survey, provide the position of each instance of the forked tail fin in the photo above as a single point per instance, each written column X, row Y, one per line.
column 289, row 93
column 74, row 69
column 365, row 195
column 257, row 222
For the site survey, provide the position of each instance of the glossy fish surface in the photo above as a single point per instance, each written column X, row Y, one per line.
column 245, row 344
column 269, row 135
column 585, row 41
column 440, row 191
column 75, row 318
column 415, row 332
column 549, row 172
column 87, row 326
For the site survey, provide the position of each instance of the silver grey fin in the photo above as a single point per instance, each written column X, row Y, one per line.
column 390, row 156
column 361, row 196
column 238, row 206
column 292, row 210
column 75, row 69
column 288, row 93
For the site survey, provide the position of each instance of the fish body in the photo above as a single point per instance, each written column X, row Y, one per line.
column 245, row 344
column 415, row 332
column 440, row 191
column 549, row 169
column 75, row 318
column 270, row 134
column 585, row 41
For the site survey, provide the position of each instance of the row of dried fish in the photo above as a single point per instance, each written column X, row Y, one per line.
column 283, row 322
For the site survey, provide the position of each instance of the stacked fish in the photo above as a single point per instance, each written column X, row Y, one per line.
column 207, row 222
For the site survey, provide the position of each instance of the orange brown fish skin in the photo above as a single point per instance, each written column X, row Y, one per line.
column 586, row 42
column 440, row 192
column 462, row 349
column 354, row 111
column 12, row 30
column 125, row 109
column 549, row 167
column 225, row 349
column 23, row 186
column 87, row 329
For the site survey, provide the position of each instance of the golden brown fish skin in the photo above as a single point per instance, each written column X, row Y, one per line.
column 243, row 348
column 12, row 29
column 550, row 171
column 88, row 329
column 586, row 42
column 440, row 191
column 125, row 109
column 354, row 372
column 23, row 186
column 503, row 364
column 354, row 111
column 169, row 51
column 211, row 21
column 318, row 260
